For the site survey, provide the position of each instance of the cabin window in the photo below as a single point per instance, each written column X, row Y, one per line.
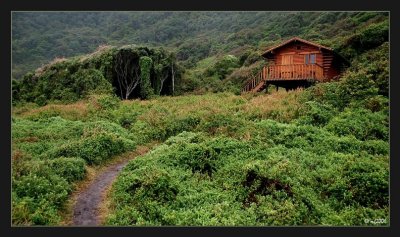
column 287, row 59
column 310, row 58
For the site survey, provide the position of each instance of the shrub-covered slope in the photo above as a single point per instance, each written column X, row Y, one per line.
column 327, row 165
column 318, row 156
column 286, row 175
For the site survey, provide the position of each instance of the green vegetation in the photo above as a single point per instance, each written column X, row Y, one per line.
column 318, row 156
column 145, row 87
column 193, row 36
column 129, row 71
column 328, row 164
column 197, row 180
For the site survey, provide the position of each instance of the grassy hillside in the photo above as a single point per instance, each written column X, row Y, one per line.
column 242, row 164
column 318, row 156
column 315, row 156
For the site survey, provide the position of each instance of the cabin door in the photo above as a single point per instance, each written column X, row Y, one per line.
column 287, row 61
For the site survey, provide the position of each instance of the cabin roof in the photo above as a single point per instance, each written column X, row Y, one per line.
column 296, row 39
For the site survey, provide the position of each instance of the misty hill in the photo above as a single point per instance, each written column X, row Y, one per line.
column 39, row 37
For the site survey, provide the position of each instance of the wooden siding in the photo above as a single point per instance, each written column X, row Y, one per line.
column 298, row 54
column 325, row 58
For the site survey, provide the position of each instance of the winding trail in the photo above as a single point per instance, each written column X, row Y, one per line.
column 86, row 211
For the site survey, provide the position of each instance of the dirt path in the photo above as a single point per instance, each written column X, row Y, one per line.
column 86, row 211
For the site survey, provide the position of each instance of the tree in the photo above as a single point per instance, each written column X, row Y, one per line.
column 164, row 69
column 127, row 69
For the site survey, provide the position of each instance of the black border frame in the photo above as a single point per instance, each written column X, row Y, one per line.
column 204, row 5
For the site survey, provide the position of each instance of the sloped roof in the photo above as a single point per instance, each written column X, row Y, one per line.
column 297, row 39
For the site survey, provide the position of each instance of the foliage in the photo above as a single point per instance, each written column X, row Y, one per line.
column 224, row 66
column 108, row 70
column 38, row 198
column 51, row 154
column 317, row 114
column 193, row 36
column 367, row 38
column 220, row 181
column 318, row 156
column 145, row 87
column 199, row 177
column 361, row 123
column 85, row 81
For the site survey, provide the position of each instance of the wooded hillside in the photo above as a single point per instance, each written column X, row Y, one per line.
column 37, row 38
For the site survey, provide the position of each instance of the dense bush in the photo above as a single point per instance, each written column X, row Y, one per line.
column 317, row 114
column 93, row 149
column 51, row 156
column 37, row 199
column 361, row 123
column 274, row 174
column 69, row 168
column 61, row 81
column 52, row 188
column 368, row 38
column 86, row 81
column 222, row 181
column 109, row 70
column 224, row 66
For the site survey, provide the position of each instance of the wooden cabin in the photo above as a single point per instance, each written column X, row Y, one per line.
column 296, row 63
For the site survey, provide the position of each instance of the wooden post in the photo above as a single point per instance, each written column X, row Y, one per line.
column 312, row 71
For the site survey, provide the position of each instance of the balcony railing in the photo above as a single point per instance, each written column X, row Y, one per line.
column 293, row 72
column 285, row 72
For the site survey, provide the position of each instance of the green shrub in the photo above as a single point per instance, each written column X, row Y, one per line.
column 197, row 158
column 221, row 123
column 252, row 58
column 302, row 181
column 52, row 188
column 45, row 214
column 179, row 125
column 364, row 182
column 377, row 103
column 369, row 183
column 27, row 211
column 224, row 66
column 185, row 137
column 87, row 81
column 325, row 93
column 93, row 149
column 317, row 114
column 108, row 102
column 69, row 168
column 361, row 123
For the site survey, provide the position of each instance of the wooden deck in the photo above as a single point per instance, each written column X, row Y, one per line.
column 309, row 72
